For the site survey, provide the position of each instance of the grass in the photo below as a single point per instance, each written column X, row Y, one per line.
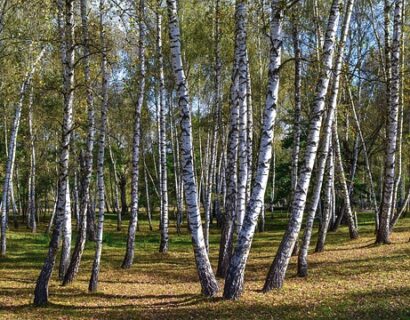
column 350, row 280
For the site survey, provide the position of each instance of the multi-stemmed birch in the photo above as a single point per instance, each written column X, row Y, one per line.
column 279, row 266
column 383, row 233
column 235, row 274
column 86, row 158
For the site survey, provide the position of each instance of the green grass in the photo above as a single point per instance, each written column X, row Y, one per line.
column 351, row 279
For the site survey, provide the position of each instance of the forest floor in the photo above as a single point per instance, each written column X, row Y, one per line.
column 350, row 280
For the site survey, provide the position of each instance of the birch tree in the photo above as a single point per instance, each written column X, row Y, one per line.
column 279, row 266
column 93, row 285
column 205, row 273
column 130, row 250
column 235, row 274
column 66, row 31
column 86, row 158
column 12, row 149
column 162, row 138
column 383, row 233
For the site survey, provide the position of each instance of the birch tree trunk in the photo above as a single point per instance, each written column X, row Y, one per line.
column 93, row 284
column 116, row 197
column 298, row 103
column 328, row 203
column 366, row 158
column 129, row 254
column 238, row 105
column 279, row 266
column 12, row 150
column 162, row 138
column 32, row 212
column 239, row 100
column 398, row 178
column 66, row 30
column 205, row 273
column 66, row 233
column 342, row 180
column 235, row 275
column 383, row 234
column 86, row 158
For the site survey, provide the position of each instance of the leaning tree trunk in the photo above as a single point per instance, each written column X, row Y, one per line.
column 162, row 138
column 342, row 180
column 86, row 158
column 93, row 284
column 383, row 234
column 366, row 158
column 279, row 266
column 129, row 254
column 66, row 28
column 205, row 273
column 12, row 151
column 235, row 275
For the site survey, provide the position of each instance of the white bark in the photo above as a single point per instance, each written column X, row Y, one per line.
column 279, row 266
column 129, row 255
column 162, row 138
column 235, row 275
column 86, row 159
column 93, row 285
column 383, row 234
column 66, row 30
column 206, row 276
column 239, row 101
column 66, row 236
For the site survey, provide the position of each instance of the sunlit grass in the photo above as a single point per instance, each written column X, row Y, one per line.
column 351, row 279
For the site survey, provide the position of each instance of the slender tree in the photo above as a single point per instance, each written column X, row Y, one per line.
column 12, row 150
column 66, row 31
column 130, row 250
column 93, row 285
column 162, row 137
column 205, row 273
